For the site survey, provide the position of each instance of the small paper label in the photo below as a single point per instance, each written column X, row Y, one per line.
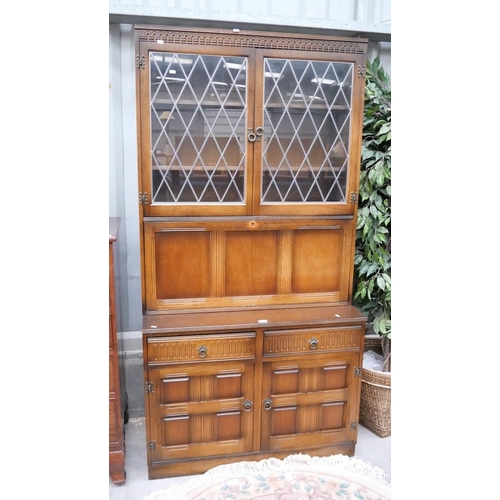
column 262, row 321
column 154, row 326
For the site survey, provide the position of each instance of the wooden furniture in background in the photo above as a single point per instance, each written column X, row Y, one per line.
column 116, row 414
column 249, row 150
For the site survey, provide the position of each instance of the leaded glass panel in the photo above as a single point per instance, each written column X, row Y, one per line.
column 307, row 113
column 198, row 115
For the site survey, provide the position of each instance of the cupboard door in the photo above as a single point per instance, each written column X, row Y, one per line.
column 201, row 410
column 194, row 119
column 308, row 115
column 309, row 401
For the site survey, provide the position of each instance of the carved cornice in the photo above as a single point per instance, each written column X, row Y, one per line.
column 275, row 42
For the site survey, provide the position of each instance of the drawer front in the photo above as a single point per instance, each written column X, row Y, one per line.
column 196, row 348
column 313, row 340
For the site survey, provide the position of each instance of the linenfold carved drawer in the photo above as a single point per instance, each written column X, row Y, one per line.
column 195, row 348
column 283, row 342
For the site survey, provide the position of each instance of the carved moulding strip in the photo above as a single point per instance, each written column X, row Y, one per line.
column 186, row 349
column 251, row 41
column 276, row 343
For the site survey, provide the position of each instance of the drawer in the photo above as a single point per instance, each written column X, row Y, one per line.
column 313, row 340
column 196, row 348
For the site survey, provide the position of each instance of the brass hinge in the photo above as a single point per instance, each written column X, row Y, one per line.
column 361, row 71
column 143, row 198
column 354, row 197
column 357, row 371
column 152, row 445
column 140, row 62
column 354, row 425
column 149, row 387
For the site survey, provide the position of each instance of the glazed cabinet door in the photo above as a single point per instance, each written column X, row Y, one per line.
column 194, row 118
column 308, row 117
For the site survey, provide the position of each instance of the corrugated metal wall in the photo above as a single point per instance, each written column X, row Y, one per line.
column 364, row 11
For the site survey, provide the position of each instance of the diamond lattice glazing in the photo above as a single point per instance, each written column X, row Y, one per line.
column 198, row 113
column 307, row 110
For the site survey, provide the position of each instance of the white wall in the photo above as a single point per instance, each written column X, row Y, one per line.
column 123, row 176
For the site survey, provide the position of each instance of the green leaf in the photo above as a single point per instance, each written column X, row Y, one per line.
column 381, row 282
column 374, row 211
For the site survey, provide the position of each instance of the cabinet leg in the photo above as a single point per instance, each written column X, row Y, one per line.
column 117, row 467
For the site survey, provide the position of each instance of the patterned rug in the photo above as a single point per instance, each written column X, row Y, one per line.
column 297, row 477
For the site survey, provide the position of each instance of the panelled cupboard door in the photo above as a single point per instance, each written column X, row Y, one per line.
column 200, row 409
column 249, row 124
column 309, row 401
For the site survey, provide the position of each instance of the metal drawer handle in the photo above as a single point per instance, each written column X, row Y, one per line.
column 267, row 404
column 313, row 343
column 202, row 351
column 247, row 405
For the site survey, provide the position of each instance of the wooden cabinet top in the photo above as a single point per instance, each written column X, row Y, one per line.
column 251, row 318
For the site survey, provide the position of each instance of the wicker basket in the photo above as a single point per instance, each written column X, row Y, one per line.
column 375, row 407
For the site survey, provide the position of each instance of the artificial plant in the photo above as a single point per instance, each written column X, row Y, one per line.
column 372, row 260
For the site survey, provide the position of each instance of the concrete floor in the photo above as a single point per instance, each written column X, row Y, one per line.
column 370, row 448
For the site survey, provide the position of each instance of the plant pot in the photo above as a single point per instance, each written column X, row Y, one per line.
column 375, row 405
